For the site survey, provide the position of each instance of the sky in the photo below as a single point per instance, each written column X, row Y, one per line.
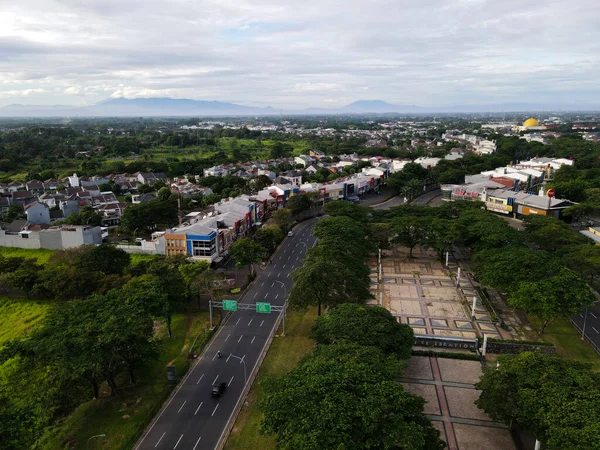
column 297, row 54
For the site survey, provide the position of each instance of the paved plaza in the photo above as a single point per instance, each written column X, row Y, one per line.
column 422, row 293
column 447, row 387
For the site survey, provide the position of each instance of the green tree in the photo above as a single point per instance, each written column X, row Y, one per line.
column 348, row 209
column 505, row 268
column 282, row 218
column 365, row 325
column 299, row 203
column 269, row 237
column 344, row 396
column 411, row 231
column 25, row 277
column 583, row 259
column 325, row 281
column 344, row 234
column 556, row 398
column 164, row 193
column 106, row 259
column 550, row 234
column 563, row 294
column 247, row 252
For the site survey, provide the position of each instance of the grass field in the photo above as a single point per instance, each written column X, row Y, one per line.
column 18, row 317
column 568, row 342
column 283, row 356
column 41, row 254
column 136, row 258
column 123, row 418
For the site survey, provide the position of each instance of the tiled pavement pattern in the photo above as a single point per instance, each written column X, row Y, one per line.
column 420, row 292
column 447, row 387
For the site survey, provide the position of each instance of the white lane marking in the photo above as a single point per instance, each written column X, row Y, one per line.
column 253, row 337
column 181, row 407
column 178, row 441
column 197, row 443
column 215, row 410
column 261, row 324
column 597, row 332
column 581, row 315
column 242, row 360
column 238, row 321
column 240, row 338
column 279, row 274
column 227, row 360
column 283, row 267
column 198, row 408
column 200, row 379
column 163, row 435
column 276, row 296
column 215, row 356
column 216, row 378
column 593, row 315
column 262, row 284
column 296, row 245
column 289, row 258
column 250, row 322
column 227, row 337
column 229, row 384
column 255, row 295
column 296, row 258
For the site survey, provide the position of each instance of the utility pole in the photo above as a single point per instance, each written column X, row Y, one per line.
column 179, row 207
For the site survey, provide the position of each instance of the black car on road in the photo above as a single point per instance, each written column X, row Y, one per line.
column 218, row 388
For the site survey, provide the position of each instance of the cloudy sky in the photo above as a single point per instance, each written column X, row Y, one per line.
column 299, row 53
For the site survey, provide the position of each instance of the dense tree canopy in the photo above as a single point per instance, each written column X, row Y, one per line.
column 344, row 396
column 558, row 399
column 365, row 325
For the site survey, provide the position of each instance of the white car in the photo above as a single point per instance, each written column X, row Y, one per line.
column 291, row 233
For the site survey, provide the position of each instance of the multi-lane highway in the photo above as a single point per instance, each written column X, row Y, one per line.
column 192, row 419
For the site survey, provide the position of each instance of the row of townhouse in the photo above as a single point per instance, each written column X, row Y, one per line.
column 207, row 235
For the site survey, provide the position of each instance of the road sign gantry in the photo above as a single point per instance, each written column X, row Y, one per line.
column 233, row 305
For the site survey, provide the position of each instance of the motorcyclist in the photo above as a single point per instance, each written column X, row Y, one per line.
column 219, row 354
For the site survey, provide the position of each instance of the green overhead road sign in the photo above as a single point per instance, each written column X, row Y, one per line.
column 229, row 305
column 263, row 307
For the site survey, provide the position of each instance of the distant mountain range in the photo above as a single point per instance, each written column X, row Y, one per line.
column 146, row 107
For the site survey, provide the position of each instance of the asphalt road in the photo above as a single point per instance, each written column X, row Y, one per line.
column 592, row 324
column 399, row 200
column 192, row 419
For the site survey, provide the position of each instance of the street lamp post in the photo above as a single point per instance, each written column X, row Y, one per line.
column 241, row 362
column 284, row 302
column 584, row 321
column 96, row 436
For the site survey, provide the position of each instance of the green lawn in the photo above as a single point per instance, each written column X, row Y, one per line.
column 19, row 316
column 41, row 254
column 124, row 418
column 568, row 342
column 283, row 356
column 136, row 258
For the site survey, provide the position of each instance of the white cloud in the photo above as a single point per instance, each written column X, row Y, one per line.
column 293, row 54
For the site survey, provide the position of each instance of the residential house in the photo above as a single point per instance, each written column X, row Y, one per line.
column 37, row 213
column 295, row 178
column 4, row 204
column 215, row 171
column 304, row 160
column 35, row 187
column 22, row 198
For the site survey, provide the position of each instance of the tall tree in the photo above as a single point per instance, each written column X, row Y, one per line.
column 345, row 396
column 365, row 325
column 247, row 252
column 563, row 294
column 556, row 398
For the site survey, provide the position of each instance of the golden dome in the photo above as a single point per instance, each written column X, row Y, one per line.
column 531, row 122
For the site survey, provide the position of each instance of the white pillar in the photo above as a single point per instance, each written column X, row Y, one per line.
column 484, row 348
column 473, row 309
column 458, row 278
column 447, row 254
column 538, row 445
